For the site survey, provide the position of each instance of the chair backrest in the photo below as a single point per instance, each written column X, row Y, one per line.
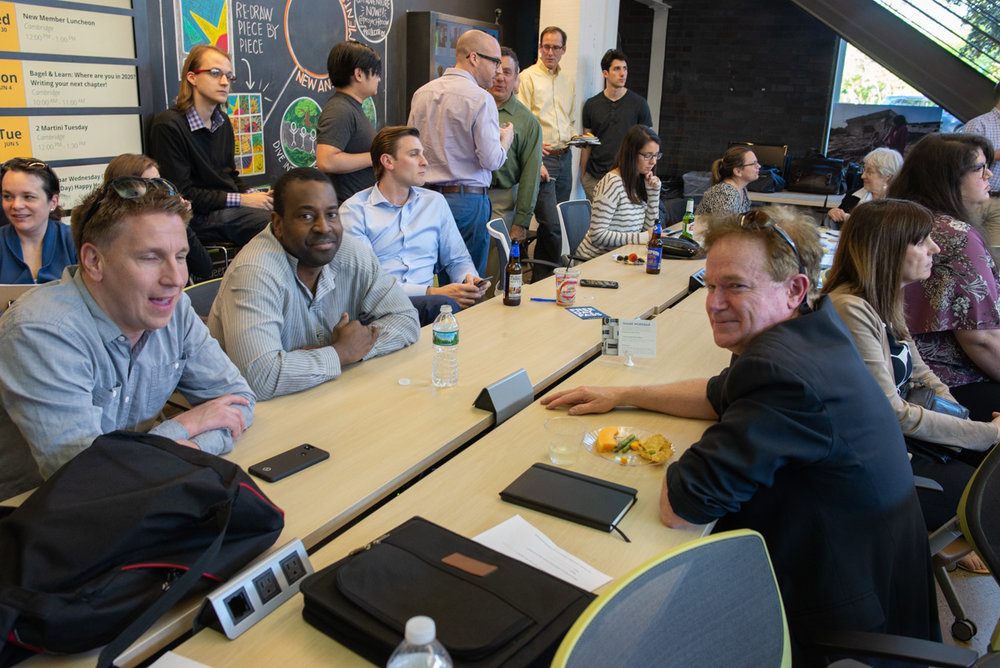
column 11, row 291
column 499, row 254
column 713, row 601
column 977, row 511
column 768, row 154
column 202, row 295
column 574, row 221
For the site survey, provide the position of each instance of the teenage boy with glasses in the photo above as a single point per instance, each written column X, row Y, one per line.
column 194, row 144
column 105, row 347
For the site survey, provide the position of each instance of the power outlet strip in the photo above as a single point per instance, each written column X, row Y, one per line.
column 250, row 595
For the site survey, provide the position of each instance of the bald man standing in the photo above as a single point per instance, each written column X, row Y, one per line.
column 462, row 138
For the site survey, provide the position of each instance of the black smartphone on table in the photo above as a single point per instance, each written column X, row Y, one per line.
column 288, row 462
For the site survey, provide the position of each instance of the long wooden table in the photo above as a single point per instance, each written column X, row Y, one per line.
column 462, row 496
column 381, row 433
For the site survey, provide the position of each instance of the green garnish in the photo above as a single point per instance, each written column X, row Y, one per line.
column 623, row 446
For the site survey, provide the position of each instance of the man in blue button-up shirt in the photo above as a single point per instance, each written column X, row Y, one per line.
column 105, row 347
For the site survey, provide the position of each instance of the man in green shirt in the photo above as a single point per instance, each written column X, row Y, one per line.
column 515, row 185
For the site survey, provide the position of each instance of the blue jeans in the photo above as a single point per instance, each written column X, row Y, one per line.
column 472, row 212
column 428, row 307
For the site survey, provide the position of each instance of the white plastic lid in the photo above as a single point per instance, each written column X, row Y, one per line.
column 420, row 630
column 445, row 308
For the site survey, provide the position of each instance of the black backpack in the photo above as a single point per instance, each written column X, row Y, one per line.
column 116, row 537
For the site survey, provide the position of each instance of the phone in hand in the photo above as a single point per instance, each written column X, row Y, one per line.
column 288, row 462
column 480, row 282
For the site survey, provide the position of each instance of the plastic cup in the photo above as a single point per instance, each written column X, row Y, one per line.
column 565, row 437
column 567, row 278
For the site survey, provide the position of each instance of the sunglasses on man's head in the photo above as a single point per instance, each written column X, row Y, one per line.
column 127, row 187
column 755, row 219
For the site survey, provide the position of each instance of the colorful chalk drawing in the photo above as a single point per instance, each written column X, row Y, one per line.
column 244, row 111
column 298, row 132
column 368, row 106
column 203, row 22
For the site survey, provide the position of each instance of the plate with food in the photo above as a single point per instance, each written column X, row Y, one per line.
column 628, row 446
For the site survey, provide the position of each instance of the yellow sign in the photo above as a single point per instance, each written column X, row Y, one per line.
column 11, row 84
column 15, row 140
column 8, row 27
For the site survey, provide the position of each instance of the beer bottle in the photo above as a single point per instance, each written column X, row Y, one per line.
column 512, row 287
column 687, row 221
column 654, row 250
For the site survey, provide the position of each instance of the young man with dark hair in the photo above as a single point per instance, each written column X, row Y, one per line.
column 301, row 301
column 515, row 185
column 194, row 144
column 104, row 347
column 344, row 134
column 609, row 115
column 411, row 229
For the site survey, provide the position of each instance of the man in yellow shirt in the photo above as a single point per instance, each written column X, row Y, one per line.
column 550, row 94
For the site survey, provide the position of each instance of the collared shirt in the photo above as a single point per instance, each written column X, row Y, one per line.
column 551, row 96
column 68, row 375
column 524, row 159
column 264, row 315
column 409, row 240
column 459, row 129
column 58, row 253
column 218, row 120
column 988, row 125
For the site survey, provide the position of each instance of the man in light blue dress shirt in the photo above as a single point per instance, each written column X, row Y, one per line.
column 411, row 229
column 105, row 347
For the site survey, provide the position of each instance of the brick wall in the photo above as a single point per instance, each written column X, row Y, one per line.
column 735, row 71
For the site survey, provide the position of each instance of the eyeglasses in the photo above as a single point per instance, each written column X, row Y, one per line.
column 755, row 219
column 651, row 156
column 496, row 61
column 216, row 73
column 755, row 163
column 550, row 47
column 978, row 169
column 127, row 187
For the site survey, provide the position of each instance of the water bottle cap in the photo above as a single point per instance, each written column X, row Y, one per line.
column 420, row 630
column 445, row 308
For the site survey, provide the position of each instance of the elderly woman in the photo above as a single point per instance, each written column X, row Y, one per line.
column 880, row 166
column 35, row 247
column 884, row 246
column 627, row 199
column 731, row 175
column 954, row 315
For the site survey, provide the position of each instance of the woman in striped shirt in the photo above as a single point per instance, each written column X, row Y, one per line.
column 627, row 199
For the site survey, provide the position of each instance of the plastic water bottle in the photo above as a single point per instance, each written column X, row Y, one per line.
column 420, row 649
column 444, row 371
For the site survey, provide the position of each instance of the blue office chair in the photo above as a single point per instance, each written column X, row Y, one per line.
column 202, row 296
column 697, row 605
column 574, row 222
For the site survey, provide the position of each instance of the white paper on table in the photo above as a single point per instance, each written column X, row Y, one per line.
column 637, row 338
column 171, row 660
column 518, row 539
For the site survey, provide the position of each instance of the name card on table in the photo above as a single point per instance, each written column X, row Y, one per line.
column 628, row 338
column 507, row 396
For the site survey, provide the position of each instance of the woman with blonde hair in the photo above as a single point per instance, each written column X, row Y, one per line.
column 731, row 174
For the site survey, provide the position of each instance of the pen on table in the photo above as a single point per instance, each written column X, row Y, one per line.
column 539, row 299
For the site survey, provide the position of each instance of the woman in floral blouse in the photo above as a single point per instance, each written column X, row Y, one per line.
column 954, row 315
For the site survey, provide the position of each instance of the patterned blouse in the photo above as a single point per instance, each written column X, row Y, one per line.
column 723, row 199
column 961, row 293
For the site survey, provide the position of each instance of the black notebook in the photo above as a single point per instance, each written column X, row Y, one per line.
column 573, row 496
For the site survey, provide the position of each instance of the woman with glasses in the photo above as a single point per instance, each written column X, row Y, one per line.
column 884, row 246
column 880, row 166
column 133, row 164
column 35, row 247
column 954, row 315
column 627, row 199
column 731, row 174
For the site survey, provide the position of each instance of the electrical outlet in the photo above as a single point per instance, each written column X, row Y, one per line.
column 292, row 567
column 255, row 591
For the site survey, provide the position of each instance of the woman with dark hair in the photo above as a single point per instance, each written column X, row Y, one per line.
column 954, row 315
column 199, row 263
column 627, row 199
column 36, row 246
column 884, row 246
column 731, row 174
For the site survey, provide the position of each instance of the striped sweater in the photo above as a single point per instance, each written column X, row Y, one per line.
column 616, row 221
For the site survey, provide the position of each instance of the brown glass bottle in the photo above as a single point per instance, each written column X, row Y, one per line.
column 512, row 286
column 654, row 250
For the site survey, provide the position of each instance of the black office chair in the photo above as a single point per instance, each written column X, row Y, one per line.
column 499, row 254
column 574, row 222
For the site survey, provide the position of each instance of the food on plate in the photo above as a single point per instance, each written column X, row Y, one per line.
column 607, row 439
column 655, row 448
